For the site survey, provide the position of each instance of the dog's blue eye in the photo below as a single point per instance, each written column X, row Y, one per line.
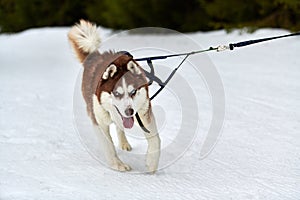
column 116, row 94
column 133, row 92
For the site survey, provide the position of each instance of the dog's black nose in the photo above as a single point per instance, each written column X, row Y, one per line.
column 129, row 111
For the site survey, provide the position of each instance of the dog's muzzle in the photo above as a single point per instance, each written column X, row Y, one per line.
column 129, row 112
column 128, row 121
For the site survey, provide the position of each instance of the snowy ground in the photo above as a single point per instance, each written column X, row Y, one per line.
column 257, row 157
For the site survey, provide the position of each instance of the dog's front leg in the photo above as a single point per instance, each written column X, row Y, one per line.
column 153, row 152
column 123, row 142
column 109, row 149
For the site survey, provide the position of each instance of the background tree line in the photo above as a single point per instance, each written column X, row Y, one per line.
column 181, row 15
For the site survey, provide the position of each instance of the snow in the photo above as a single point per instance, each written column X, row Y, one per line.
column 43, row 156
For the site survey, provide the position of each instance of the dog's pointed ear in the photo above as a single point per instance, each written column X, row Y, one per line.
column 133, row 68
column 109, row 72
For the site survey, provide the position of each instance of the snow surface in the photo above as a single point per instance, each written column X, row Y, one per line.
column 257, row 156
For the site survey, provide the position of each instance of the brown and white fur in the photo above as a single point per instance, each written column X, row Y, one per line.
column 115, row 88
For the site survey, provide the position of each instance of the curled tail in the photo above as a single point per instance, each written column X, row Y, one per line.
column 84, row 39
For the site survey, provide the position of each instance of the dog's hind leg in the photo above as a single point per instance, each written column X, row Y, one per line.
column 123, row 143
column 109, row 149
column 153, row 152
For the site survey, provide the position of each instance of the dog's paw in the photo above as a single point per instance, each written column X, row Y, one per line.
column 120, row 166
column 152, row 164
column 125, row 146
column 151, row 167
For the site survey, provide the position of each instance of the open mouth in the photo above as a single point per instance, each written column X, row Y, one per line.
column 127, row 121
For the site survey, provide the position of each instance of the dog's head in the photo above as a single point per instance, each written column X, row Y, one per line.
column 125, row 85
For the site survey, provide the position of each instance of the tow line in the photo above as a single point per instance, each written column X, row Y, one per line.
column 153, row 78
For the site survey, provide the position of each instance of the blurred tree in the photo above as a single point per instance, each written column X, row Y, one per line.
column 188, row 15
column 279, row 13
column 125, row 14
column 231, row 13
column 17, row 15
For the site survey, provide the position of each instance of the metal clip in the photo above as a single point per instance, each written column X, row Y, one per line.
column 222, row 48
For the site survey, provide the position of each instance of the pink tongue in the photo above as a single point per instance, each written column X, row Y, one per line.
column 128, row 122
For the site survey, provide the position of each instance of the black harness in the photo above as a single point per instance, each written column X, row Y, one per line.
column 153, row 78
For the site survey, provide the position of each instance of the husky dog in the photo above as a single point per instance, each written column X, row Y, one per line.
column 114, row 88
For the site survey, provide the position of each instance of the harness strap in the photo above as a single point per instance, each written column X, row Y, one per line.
column 141, row 123
column 163, row 85
column 151, row 74
column 152, row 77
